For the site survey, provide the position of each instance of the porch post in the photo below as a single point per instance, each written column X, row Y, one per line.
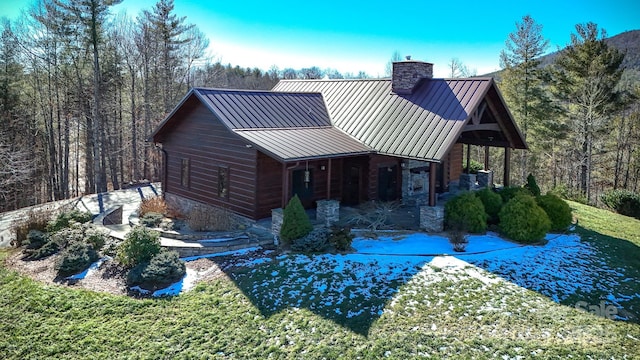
column 507, row 166
column 432, row 183
column 486, row 157
column 468, row 156
column 285, row 185
column 329, row 180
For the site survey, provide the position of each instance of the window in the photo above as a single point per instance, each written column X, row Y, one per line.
column 184, row 173
column 223, row 181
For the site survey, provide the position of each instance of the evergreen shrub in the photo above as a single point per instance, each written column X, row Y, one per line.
column 492, row 203
column 532, row 185
column 465, row 212
column 163, row 269
column 341, row 238
column 509, row 192
column 139, row 246
column 64, row 220
column 295, row 222
column 75, row 258
column 522, row 220
column 623, row 202
column 151, row 219
column 557, row 210
column 315, row 241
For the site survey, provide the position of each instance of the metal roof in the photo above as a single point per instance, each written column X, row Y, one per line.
column 250, row 109
column 304, row 143
column 421, row 125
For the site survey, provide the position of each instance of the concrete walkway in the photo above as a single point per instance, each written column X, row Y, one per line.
column 94, row 203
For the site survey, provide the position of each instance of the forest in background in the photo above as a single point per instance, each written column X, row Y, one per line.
column 81, row 89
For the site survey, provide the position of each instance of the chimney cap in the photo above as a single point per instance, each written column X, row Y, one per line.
column 408, row 57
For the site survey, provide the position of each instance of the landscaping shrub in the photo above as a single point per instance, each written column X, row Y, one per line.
column 139, row 246
column 532, row 185
column 209, row 218
column 95, row 237
column 341, row 238
column 64, row 219
column 64, row 236
column 458, row 240
column 315, row 241
column 522, row 220
column 151, row 219
column 509, row 192
column 474, row 167
column 49, row 248
column 623, row 202
column 34, row 220
column 75, row 258
column 155, row 204
column 557, row 210
column 163, row 269
column 35, row 239
column 465, row 212
column 492, row 203
column 295, row 222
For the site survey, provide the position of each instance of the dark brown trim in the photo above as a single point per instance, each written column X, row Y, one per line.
column 486, row 157
column 507, row 167
column 433, row 167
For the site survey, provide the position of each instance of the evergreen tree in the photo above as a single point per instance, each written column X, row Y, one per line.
column 588, row 72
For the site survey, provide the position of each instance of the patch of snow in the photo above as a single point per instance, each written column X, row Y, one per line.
column 225, row 253
column 93, row 267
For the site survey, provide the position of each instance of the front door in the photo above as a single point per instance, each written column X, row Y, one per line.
column 352, row 180
column 302, row 185
column 388, row 183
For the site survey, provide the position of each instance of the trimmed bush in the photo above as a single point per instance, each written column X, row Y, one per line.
column 63, row 220
column 162, row 270
column 522, row 220
column 458, row 240
column 295, row 222
column 509, row 192
column 492, row 203
column 95, row 237
column 465, row 212
column 49, row 248
column 623, row 202
column 341, row 238
column 315, row 241
column 532, row 185
column 139, row 246
column 557, row 210
column 75, row 258
column 151, row 219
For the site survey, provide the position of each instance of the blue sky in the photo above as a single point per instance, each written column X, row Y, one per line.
column 362, row 35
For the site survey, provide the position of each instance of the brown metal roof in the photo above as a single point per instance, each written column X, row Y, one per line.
column 304, row 143
column 250, row 109
column 421, row 125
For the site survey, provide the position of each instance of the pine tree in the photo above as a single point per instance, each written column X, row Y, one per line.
column 588, row 72
column 295, row 222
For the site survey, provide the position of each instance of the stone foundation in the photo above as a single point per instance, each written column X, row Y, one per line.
column 467, row 181
column 184, row 206
column 432, row 218
column 328, row 212
column 485, row 178
column 277, row 216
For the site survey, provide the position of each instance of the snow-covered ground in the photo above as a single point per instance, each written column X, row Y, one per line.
column 348, row 283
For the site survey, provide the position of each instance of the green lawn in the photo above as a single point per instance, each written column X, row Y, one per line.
column 431, row 311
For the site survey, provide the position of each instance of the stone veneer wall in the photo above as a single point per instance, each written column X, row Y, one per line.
column 328, row 212
column 185, row 206
column 432, row 218
column 406, row 74
column 485, row 178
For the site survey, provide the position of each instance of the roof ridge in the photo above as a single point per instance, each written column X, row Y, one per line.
column 199, row 88
column 287, row 128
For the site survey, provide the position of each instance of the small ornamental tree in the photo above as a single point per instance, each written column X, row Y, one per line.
column 139, row 246
column 295, row 222
column 522, row 220
column 532, row 185
column 465, row 212
column 557, row 209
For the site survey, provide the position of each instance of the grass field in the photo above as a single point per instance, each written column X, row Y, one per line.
column 293, row 307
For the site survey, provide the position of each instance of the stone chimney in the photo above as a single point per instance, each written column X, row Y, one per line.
column 407, row 74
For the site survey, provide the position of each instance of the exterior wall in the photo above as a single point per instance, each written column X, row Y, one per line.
column 208, row 145
column 454, row 159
